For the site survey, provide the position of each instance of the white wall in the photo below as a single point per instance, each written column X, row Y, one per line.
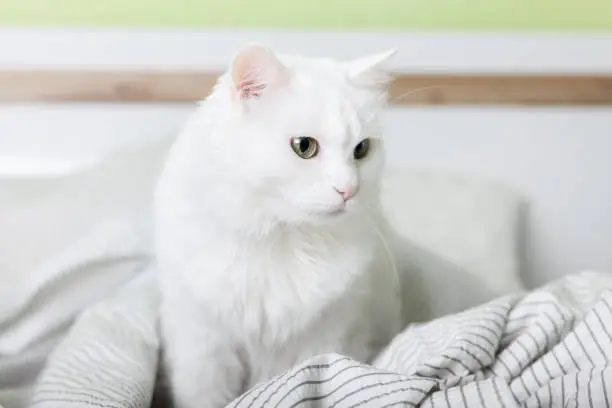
column 560, row 159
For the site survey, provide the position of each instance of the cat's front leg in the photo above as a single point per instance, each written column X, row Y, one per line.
column 203, row 368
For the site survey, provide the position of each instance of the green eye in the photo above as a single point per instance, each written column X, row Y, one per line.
column 362, row 149
column 305, row 147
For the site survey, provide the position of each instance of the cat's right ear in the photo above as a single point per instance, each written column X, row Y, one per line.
column 255, row 71
column 366, row 71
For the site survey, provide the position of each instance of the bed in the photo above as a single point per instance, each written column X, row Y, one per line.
column 78, row 299
column 81, row 330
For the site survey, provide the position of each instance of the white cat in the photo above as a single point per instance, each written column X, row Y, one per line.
column 268, row 227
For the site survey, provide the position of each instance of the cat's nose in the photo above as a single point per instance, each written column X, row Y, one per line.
column 347, row 192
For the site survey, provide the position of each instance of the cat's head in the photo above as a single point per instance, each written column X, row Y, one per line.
column 299, row 137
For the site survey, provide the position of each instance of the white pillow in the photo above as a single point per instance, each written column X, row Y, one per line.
column 43, row 214
column 457, row 243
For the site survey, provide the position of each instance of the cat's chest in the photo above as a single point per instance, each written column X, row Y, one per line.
column 279, row 287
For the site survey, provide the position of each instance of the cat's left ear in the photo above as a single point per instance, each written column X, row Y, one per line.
column 368, row 71
column 255, row 70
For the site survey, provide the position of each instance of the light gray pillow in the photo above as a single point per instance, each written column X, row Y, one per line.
column 457, row 240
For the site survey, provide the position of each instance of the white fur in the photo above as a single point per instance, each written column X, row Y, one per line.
column 262, row 263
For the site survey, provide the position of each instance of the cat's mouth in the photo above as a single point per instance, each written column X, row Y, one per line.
column 336, row 211
column 331, row 212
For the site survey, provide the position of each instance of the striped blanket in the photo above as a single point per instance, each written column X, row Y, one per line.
column 548, row 348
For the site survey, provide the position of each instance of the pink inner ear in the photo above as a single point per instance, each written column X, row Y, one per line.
column 249, row 89
column 255, row 68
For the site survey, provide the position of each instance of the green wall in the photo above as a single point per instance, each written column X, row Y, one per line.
column 296, row 14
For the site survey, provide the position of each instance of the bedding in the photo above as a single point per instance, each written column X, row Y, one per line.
column 76, row 239
column 35, row 315
column 550, row 347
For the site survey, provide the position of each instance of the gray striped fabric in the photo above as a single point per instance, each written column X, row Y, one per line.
column 548, row 348
column 109, row 357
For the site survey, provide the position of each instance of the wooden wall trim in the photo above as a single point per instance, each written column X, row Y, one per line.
column 407, row 89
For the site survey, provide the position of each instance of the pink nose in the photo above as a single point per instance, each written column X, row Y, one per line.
column 347, row 193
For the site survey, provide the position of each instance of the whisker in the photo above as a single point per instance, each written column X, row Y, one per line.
column 391, row 259
column 416, row 90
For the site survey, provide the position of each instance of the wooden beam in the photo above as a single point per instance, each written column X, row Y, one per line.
column 407, row 89
column 503, row 90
